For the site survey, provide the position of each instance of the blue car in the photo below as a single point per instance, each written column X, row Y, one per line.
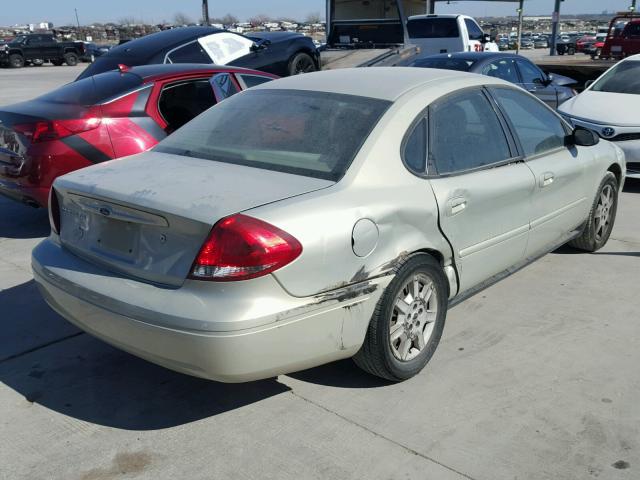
column 550, row 88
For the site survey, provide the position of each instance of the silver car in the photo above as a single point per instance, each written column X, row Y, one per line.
column 319, row 217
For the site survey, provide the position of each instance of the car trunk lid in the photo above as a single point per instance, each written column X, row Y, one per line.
column 147, row 216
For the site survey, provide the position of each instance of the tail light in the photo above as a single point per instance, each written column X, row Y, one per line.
column 48, row 130
column 54, row 211
column 241, row 247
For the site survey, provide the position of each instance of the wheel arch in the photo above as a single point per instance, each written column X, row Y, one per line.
column 617, row 171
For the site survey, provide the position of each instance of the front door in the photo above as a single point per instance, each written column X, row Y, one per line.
column 483, row 190
column 560, row 202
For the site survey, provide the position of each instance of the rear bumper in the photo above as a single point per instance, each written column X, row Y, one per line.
column 284, row 334
column 33, row 196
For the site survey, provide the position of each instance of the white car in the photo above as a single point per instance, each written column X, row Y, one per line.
column 611, row 107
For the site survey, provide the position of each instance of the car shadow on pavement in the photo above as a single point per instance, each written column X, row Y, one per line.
column 341, row 374
column 22, row 221
column 86, row 379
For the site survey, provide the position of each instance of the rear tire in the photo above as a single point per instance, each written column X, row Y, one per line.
column 398, row 345
column 301, row 63
column 16, row 61
column 71, row 59
column 601, row 217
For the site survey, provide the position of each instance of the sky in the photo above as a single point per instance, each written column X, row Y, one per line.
column 61, row 12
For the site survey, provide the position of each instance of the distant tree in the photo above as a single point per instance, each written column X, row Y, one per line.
column 314, row 17
column 259, row 19
column 181, row 19
column 128, row 21
column 229, row 19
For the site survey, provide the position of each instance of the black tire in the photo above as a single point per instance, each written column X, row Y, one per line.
column 591, row 238
column 16, row 61
column 71, row 59
column 301, row 63
column 376, row 355
column 57, row 63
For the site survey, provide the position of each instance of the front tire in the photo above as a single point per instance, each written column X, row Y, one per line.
column 301, row 63
column 16, row 61
column 601, row 217
column 408, row 321
column 71, row 59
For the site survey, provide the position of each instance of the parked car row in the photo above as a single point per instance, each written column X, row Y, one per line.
column 402, row 189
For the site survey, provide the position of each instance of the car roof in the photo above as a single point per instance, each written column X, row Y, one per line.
column 384, row 83
column 473, row 56
column 148, row 46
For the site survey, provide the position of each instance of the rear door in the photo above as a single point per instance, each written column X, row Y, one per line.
column 560, row 201
column 483, row 189
column 535, row 81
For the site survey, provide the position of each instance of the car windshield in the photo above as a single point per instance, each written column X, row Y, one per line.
column 459, row 64
column 623, row 78
column 316, row 134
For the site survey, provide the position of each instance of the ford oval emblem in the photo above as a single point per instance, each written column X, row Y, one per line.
column 608, row 132
column 105, row 211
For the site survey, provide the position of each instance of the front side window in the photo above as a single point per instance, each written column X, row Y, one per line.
column 465, row 133
column 190, row 53
column 623, row 78
column 530, row 73
column 504, row 69
column 536, row 126
column 433, row 28
column 475, row 32
column 316, row 134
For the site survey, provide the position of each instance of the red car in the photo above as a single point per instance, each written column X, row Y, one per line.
column 584, row 42
column 106, row 116
column 624, row 37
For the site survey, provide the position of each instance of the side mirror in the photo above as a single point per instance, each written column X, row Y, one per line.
column 588, row 83
column 583, row 137
column 260, row 45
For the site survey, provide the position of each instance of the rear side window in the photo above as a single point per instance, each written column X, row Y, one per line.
column 189, row 53
column 474, row 31
column 316, row 134
column 253, row 80
column 536, row 126
column 92, row 90
column 530, row 73
column 180, row 102
column 465, row 133
column 433, row 28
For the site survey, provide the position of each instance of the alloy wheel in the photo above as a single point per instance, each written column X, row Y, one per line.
column 602, row 216
column 413, row 317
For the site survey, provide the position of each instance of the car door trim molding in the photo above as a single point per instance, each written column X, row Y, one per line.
column 503, row 237
column 550, row 216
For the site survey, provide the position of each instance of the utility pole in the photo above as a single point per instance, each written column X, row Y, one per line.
column 205, row 11
column 554, row 31
column 77, row 21
column 520, row 15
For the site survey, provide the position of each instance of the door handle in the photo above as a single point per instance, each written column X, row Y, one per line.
column 546, row 179
column 456, row 205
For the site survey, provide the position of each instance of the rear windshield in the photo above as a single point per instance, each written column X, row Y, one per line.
column 623, row 78
column 433, row 28
column 445, row 63
column 92, row 90
column 315, row 134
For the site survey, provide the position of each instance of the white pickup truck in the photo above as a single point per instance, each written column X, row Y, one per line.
column 434, row 34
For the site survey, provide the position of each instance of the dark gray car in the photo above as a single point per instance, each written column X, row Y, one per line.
column 550, row 88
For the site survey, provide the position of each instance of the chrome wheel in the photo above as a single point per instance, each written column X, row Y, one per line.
column 413, row 317
column 602, row 215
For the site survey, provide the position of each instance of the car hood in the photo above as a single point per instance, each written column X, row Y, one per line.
column 562, row 81
column 605, row 108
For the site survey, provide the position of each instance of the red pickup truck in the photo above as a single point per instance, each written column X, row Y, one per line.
column 623, row 39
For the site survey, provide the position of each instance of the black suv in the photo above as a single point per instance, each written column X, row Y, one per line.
column 39, row 48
